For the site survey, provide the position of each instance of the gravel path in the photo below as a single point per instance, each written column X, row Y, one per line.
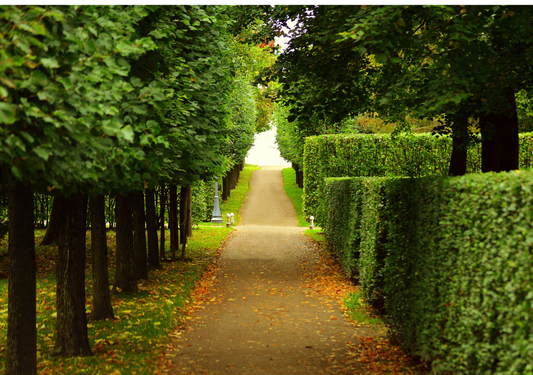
column 261, row 316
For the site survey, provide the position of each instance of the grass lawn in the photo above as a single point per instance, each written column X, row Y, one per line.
column 294, row 193
column 137, row 341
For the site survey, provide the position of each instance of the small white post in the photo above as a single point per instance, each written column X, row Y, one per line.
column 312, row 218
column 228, row 222
column 232, row 218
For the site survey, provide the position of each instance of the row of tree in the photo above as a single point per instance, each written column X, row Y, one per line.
column 99, row 100
column 459, row 63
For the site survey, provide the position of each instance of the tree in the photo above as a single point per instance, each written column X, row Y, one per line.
column 21, row 355
column 397, row 60
column 66, row 106
column 125, row 276
column 72, row 338
column 102, row 308
column 151, row 228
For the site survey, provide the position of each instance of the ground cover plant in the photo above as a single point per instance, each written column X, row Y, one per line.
column 135, row 342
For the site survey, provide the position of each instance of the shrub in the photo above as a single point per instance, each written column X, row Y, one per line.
column 451, row 260
column 381, row 155
column 342, row 155
column 343, row 216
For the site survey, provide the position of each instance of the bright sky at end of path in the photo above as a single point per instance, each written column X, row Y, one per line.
column 265, row 152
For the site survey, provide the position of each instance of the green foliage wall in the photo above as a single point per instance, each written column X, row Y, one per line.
column 449, row 260
column 341, row 155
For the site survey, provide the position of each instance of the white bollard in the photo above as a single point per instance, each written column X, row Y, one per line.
column 228, row 222
column 232, row 218
column 312, row 218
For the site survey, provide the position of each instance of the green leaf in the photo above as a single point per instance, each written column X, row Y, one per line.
column 65, row 81
column 127, row 133
column 42, row 152
column 7, row 113
column 38, row 78
column 50, row 62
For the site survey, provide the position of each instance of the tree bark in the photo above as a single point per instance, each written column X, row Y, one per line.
column 139, row 236
column 151, row 227
column 21, row 351
column 499, row 136
column 162, row 209
column 299, row 175
column 225, row 187
column 57, row 218
column 102, row 308
column 185, row 216
column 460, row 145
column 72, row 339
column 125, row 279
column 173, row 220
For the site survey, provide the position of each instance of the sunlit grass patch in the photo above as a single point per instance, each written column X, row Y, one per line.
column 317, row 234
column 294, row 193
column 359, row 311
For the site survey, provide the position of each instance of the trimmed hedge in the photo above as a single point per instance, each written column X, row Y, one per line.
column 380, row 155
column 450, row 261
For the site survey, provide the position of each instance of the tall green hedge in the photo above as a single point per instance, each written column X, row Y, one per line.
column 414, row 155
column 450, row 261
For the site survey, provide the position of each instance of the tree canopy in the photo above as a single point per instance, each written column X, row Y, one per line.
column 462, row 61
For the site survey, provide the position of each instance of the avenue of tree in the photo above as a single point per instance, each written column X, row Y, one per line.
column 99, row 100
column 139, row 103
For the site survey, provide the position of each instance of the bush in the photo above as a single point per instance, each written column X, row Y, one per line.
column 341, row 155
column 381, row 155
column 343, row 216
column 451, row 260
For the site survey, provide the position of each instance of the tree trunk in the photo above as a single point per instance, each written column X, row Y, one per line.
column 139, row 236
column 102, row 308
column 72, row 339
column 185, row 216
column 173, row 220
column 125, row 279
column 57, row 218
column 225, row 187
column 460, row 145
column 499, row 136
column 299, row 175
column 236, row 174
column 21, row 351
column 151, row 227
column 162, row 209
column 232, row 176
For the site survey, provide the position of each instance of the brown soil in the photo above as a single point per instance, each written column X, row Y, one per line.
column 262, row 316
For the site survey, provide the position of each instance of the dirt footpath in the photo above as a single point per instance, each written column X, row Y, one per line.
column 261, row 317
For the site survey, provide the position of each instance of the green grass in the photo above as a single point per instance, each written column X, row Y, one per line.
column 359, row 311
column 294, row 193
column 317, row 234
column 135, row 341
